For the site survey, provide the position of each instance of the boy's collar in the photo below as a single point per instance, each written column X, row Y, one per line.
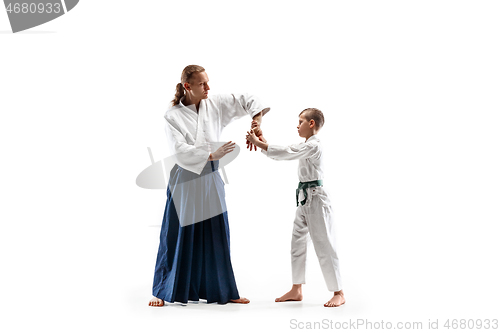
column 313, row 137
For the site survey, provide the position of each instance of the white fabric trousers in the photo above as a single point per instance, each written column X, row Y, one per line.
column 314, row 221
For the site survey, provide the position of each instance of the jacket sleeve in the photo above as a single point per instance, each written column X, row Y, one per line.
column 293, row 152
column 188, row 156
column 235, row 106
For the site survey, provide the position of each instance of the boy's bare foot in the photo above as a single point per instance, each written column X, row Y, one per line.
column 337, row 300
column 295, row 294
column 241, row 300
column 156, row 302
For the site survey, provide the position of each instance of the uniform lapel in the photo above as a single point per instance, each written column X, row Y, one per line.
column 200, row 135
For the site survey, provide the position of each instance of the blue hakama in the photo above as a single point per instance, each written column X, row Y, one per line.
column 194, row 261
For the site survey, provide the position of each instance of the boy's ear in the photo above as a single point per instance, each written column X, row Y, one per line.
column 312, row 123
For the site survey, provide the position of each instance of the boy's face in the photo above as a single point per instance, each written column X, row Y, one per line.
column 305, row 127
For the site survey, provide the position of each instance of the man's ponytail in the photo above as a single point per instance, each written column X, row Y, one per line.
column 179, row 93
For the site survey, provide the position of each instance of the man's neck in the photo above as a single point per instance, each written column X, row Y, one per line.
column 187, row 101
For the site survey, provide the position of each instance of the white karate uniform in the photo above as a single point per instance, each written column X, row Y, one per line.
column 191, row 134
column 314, row 219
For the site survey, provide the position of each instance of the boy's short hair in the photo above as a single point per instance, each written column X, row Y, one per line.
column 314, row 114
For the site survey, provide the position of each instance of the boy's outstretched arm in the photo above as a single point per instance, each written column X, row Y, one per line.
column 262, row 143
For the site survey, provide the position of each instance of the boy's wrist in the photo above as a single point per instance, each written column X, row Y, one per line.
column 262, row 145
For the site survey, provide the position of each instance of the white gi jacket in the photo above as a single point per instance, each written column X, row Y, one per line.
column 308, row 153
column 190, row 133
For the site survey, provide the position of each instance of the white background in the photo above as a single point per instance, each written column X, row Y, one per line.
column 410, row 92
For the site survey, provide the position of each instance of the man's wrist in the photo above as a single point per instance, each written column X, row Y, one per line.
column 258, row 118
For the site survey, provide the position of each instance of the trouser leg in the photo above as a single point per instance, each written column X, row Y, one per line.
column 298, row 252
column 321, row 228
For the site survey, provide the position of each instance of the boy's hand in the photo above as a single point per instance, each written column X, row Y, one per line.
column 256, row 141
column 252, row 138
column 250, row 145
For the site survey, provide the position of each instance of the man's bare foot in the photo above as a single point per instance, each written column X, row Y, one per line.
column 241, row 300
column 295, row 294
column 156, row 302
column 337, row 300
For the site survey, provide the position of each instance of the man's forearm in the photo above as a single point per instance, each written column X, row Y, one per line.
column 258, row 118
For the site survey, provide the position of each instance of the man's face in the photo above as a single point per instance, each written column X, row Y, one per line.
column 304, row 126
column 198, row 86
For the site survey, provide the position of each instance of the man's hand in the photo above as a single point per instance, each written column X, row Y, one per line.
column 222, row 151
column 255, row 127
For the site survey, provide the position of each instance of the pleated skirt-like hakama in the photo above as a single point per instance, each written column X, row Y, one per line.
column 193, row 260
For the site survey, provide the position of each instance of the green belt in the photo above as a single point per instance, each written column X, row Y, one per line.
column 304, row 186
